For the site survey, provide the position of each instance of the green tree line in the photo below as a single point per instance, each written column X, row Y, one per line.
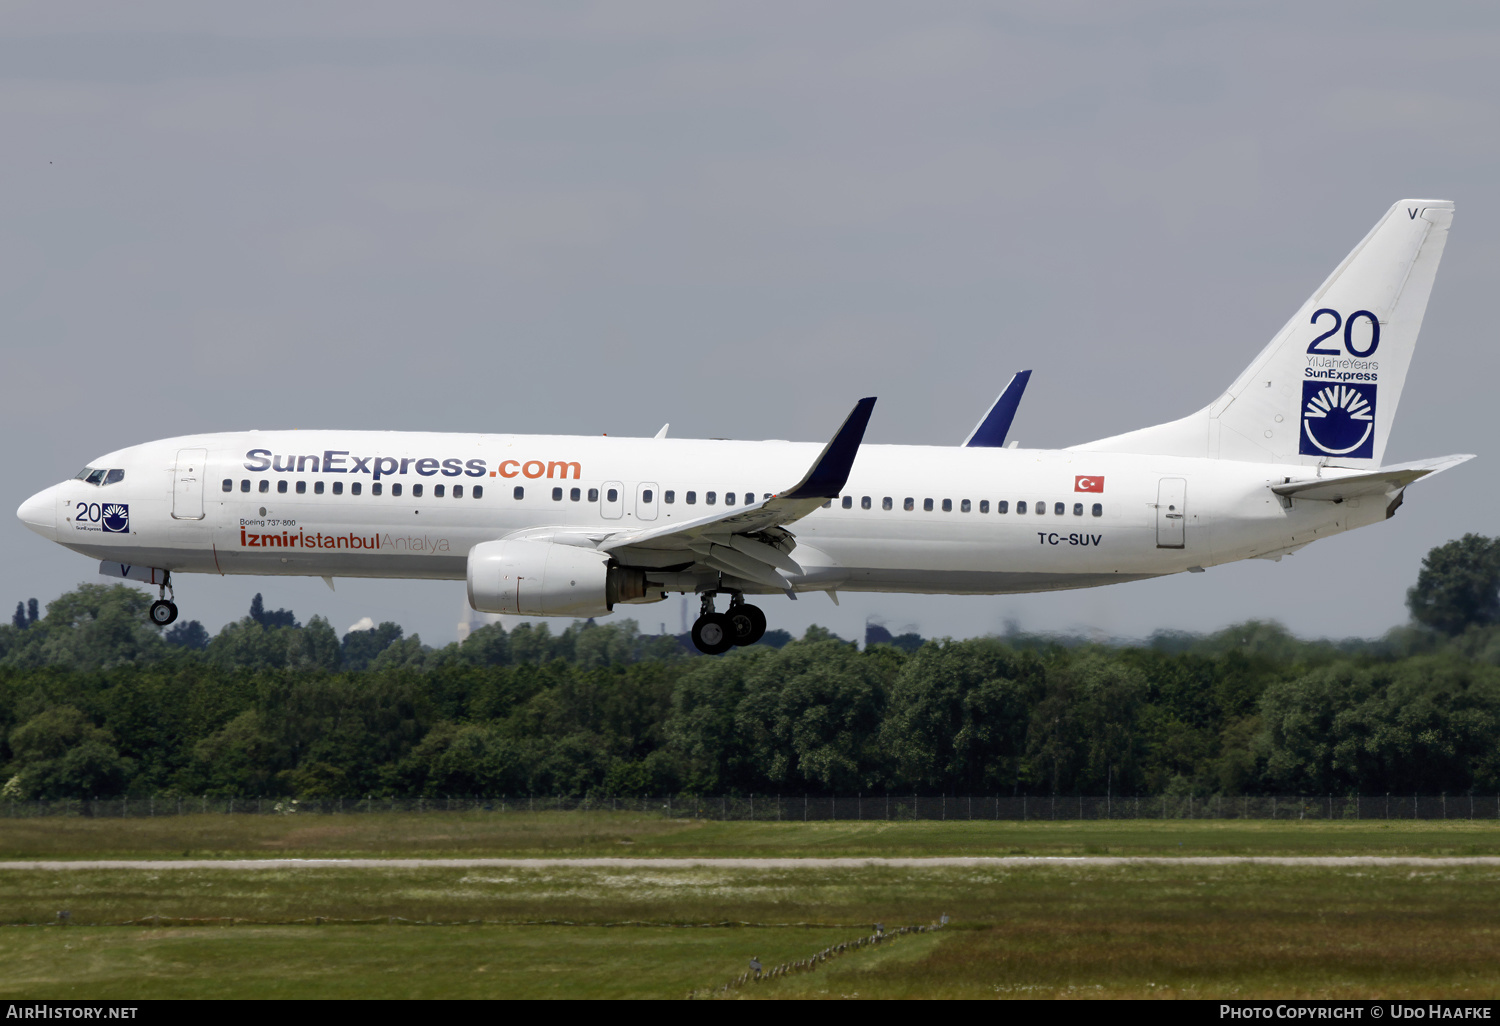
column 95, row 702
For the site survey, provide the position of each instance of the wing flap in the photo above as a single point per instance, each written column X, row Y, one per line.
column 764, row 552
column 727, row 560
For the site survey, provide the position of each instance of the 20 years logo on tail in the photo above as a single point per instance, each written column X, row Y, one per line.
column 1338, row 420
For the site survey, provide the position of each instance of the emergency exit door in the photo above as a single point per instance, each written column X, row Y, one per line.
column 612, row 500
column 646, row 500
column 1171, row 513
column 187, row 484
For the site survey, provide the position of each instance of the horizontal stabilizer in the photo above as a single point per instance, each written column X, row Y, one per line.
column 1376, row 482
column 992, row 428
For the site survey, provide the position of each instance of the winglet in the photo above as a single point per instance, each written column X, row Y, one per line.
column 991, row 430
column 830, row 470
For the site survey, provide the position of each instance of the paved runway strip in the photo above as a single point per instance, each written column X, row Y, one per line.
column 849, row 862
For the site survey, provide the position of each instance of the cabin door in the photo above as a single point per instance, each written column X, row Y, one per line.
column 1171, row 512
column 187, row 484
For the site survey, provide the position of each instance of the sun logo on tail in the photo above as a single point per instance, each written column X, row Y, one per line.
column 1338, row 420
column 1341, row 397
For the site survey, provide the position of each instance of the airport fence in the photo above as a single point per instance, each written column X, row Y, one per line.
column 807, row 808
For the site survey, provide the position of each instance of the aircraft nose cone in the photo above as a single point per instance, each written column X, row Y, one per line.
column 37, row 513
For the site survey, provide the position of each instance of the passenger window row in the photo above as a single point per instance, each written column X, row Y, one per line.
column 669, row 496
column 965, row 506
column 576, row 494
column 356, row 487
column 710, row 498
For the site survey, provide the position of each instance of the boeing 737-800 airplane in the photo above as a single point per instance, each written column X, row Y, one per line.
column 561, row 525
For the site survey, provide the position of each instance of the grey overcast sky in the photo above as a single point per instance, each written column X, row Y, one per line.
column 739, row 218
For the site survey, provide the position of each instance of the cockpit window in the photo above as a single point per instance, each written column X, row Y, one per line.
column 99, row 475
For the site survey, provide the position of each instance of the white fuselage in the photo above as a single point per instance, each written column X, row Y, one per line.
column 283, row 502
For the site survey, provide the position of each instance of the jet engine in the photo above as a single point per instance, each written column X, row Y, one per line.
column 543, row 578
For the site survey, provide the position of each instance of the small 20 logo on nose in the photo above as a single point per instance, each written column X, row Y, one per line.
column 115, row 518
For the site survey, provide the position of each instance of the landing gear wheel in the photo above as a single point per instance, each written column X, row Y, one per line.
column 748, row 624
column 713, row 634
column 163, row 612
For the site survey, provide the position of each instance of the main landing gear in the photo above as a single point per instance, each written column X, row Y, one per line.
column 164, row 610
column 716, row 633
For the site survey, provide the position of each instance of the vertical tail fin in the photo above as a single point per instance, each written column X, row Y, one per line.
column 1326, row 387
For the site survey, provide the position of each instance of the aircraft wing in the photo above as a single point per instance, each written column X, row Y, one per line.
column 744, row 542
column 992, row 428
column 1376, row 482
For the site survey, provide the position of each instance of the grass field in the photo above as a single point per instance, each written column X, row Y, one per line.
column 1044, row 930
column 605, row 834
column 1132, row 931
column 382, row 962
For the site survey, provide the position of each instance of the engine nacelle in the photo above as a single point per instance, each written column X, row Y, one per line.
column 542, row 578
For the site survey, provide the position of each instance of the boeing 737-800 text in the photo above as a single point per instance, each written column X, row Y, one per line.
column 558, row 525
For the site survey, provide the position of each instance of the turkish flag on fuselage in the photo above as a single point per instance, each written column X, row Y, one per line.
column 1088, row 484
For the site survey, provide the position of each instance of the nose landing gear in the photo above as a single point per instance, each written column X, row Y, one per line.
column 164, row 610
column 716, row 633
